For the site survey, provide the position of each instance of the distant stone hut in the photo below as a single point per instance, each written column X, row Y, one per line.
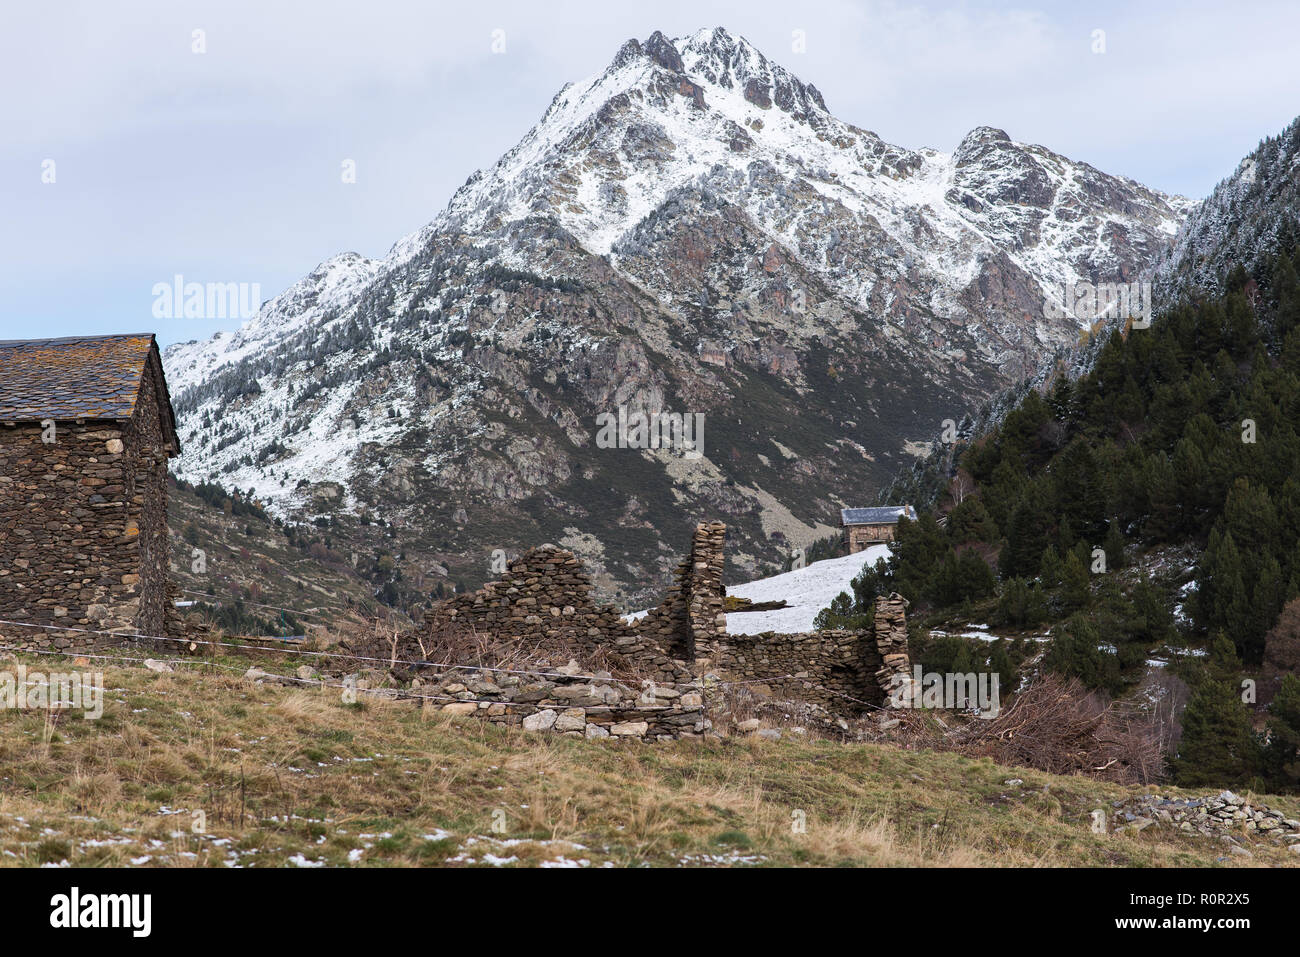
column 871, row 526
column 86, row 429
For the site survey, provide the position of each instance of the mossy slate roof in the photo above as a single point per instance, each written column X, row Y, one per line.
column 80, row 377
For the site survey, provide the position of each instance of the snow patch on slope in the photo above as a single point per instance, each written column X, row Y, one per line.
column 805, row 590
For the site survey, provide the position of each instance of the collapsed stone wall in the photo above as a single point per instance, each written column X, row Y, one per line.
column 565, row 700
column 37, row 640
column 572, row 702
column 544, row 599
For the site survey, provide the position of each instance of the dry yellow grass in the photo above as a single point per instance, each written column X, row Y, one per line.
column 202, row 768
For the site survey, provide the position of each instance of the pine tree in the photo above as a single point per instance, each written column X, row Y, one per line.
column 1000, row 664
column 1076, row 587
column 841, row 614
column 1221, row 592
column 945, row 584
column 969, row 521
column 1025, row 533
column 1114, row 547
column 1218, row 746
column 1267, row 600
column 1051, row 570
column 1075, row 652
column 1282, row 756
column 1020, row 603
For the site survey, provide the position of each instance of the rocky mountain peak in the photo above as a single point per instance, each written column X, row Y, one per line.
column 729, row 62
column 978, row 143
column 690, row 230
column 662, row 50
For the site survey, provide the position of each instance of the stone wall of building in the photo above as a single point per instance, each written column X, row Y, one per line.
column 83, row 521
column 69, row 551
column 36, row 640
column 146, row 458
column 859, row 537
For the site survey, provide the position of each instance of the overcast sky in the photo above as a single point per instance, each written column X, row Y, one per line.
column 225, row 165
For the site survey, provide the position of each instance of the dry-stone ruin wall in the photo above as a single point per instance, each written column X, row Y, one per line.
column 846, row 672
column 835, row 669
column 570, row 701
column 890, row 625
column 690, row 621
column 544, row 598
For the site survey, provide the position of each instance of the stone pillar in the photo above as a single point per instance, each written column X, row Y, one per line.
column 707, row 620
column 890, row 626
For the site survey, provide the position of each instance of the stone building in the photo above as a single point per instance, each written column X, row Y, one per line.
column 870, row 526
column 86, row 428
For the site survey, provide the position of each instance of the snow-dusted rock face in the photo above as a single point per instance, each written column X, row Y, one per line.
column 1240, row 221
column 691, row 230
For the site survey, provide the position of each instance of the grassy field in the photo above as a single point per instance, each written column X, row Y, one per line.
column 288, row 776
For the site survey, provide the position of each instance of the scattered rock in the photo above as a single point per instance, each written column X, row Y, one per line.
column 1226, row 817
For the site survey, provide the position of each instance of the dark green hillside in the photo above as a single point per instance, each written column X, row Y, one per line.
column 1166, row 479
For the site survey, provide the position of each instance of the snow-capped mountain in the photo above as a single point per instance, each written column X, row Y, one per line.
column 1251, row 215
column 693, row 231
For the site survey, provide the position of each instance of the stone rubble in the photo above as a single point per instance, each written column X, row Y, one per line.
column 1225, row 816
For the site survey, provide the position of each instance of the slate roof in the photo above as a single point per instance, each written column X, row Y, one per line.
column 887, row 515
column 79, row 377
